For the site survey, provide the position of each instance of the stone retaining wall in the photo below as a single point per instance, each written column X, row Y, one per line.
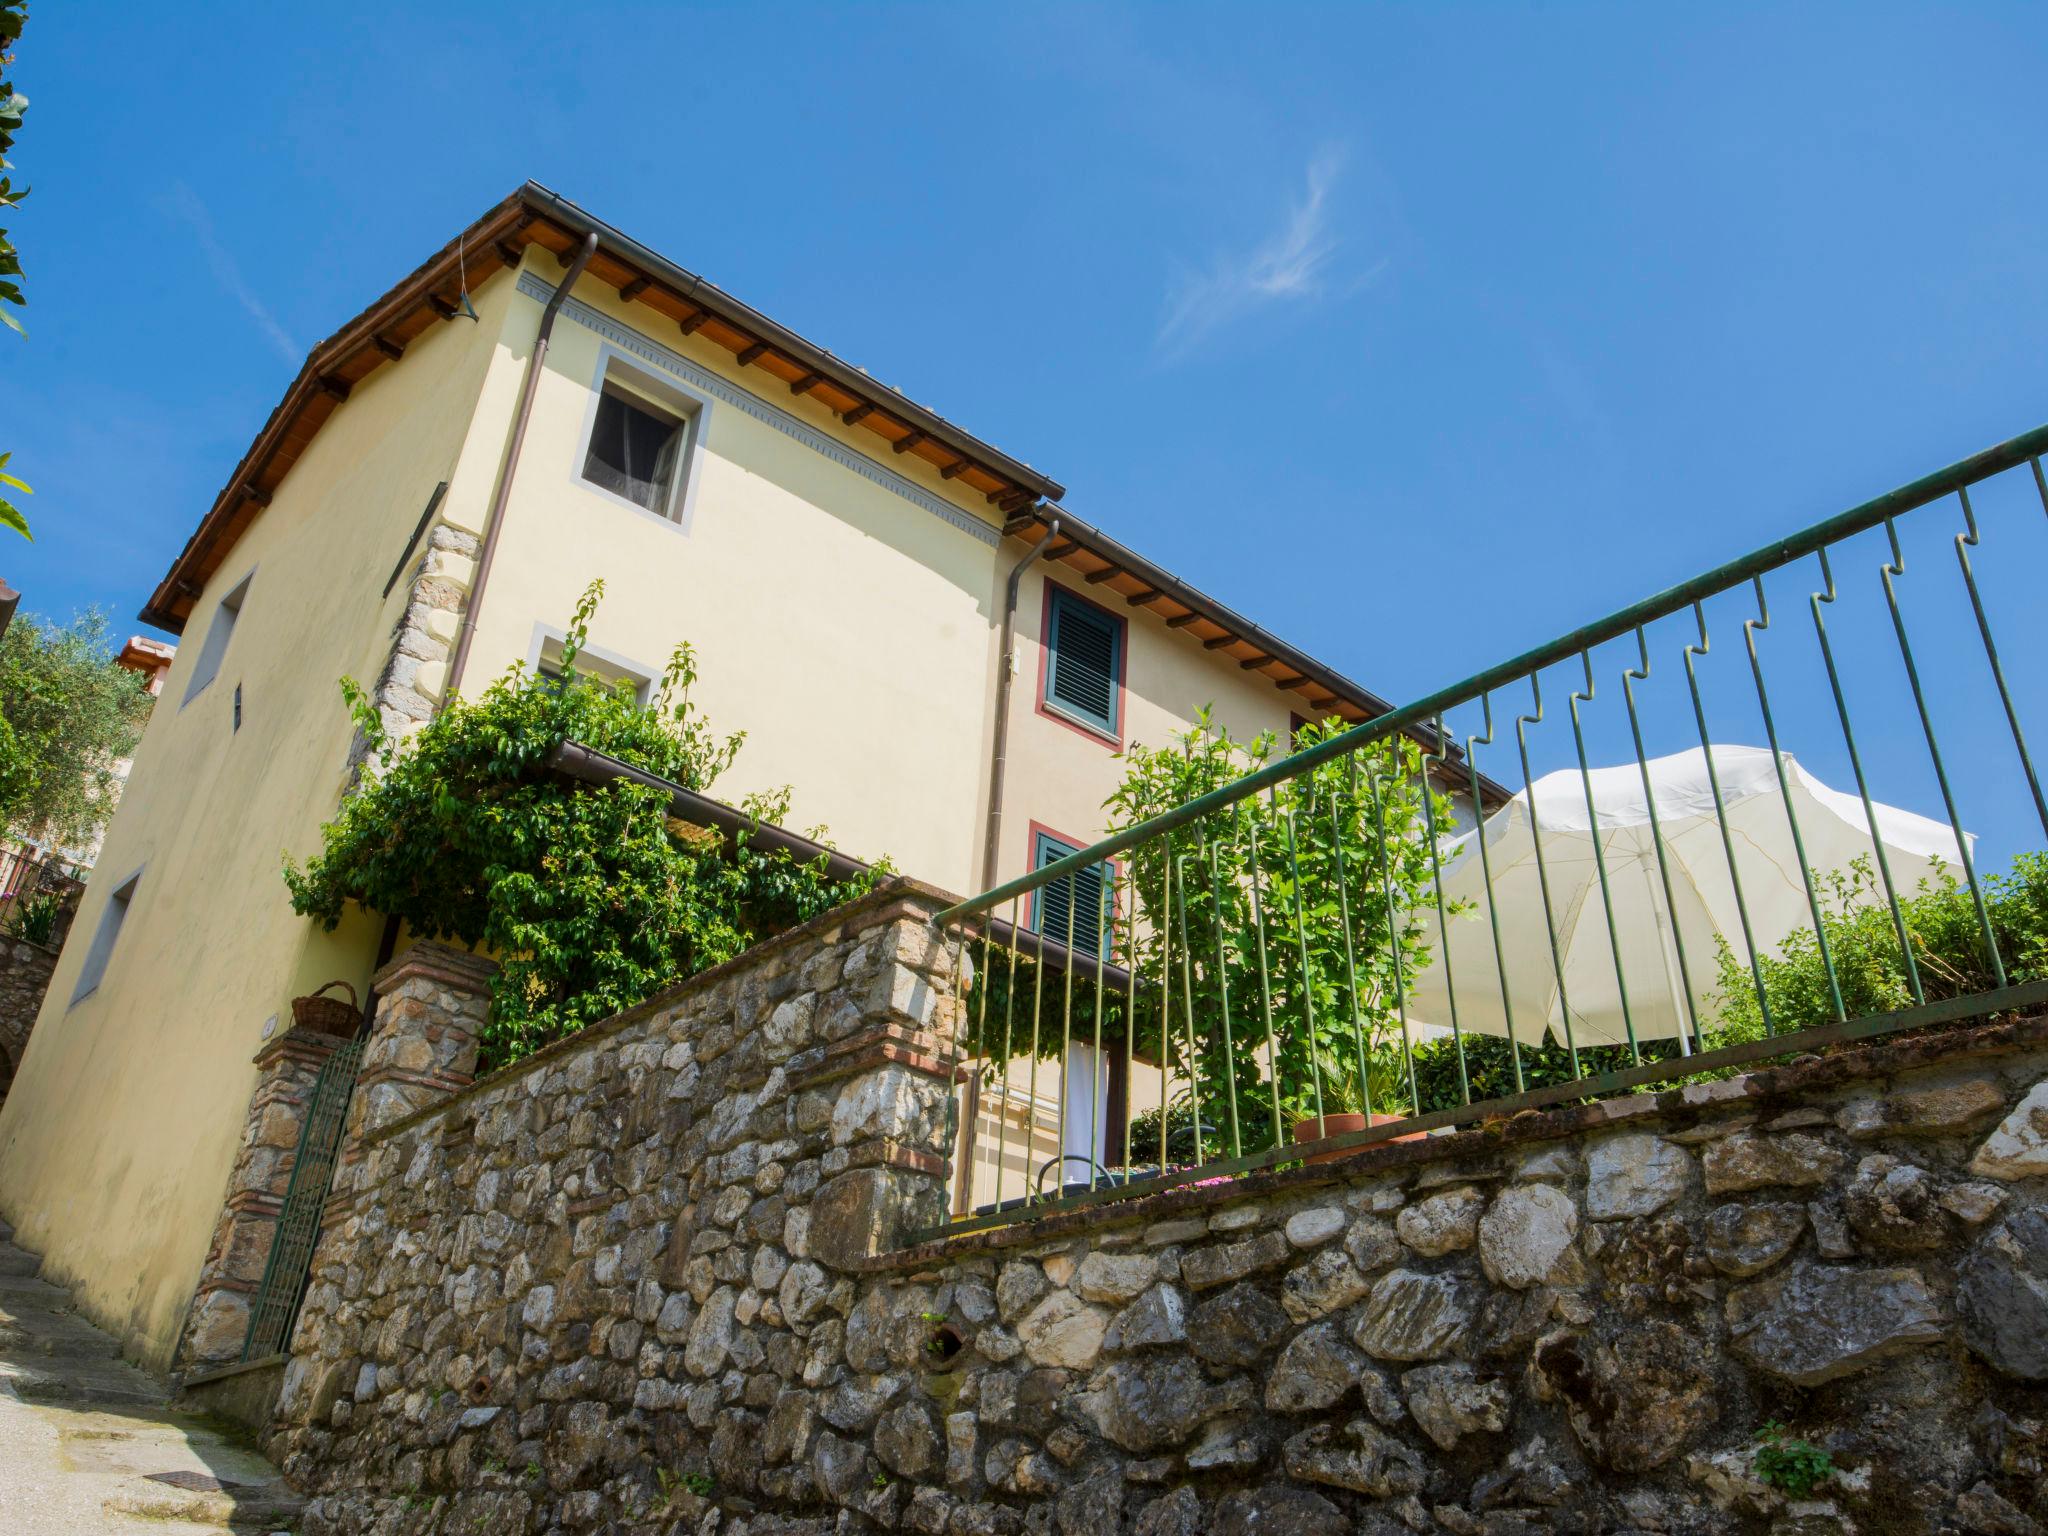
column 651, row 1283
column 24, row 977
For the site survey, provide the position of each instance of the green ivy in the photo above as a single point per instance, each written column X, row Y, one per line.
column 589, row 896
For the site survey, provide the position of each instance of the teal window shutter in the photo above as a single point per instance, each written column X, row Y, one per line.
column 1085, row 675
column 1080, row 897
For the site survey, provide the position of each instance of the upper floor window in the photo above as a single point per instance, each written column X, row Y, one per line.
column 634, row 449
column 545, row 656
column 215, row 646
column 104, row 933
column 1086, row 898
column 1084, row 672
column 639, row 438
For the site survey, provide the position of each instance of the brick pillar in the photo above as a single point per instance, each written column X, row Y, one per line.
column 218, row 1322
column 431, row 1005
column 891, row 1120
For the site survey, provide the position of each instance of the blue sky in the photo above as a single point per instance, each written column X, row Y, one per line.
column 1419, row 333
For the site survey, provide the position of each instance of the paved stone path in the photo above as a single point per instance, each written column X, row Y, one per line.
column 89, row 1445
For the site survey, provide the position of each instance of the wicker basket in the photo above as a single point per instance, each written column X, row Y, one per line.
column 328, row 1015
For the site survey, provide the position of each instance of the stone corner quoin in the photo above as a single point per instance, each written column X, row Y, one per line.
column 656, row 1281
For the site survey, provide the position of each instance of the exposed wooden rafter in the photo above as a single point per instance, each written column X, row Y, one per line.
column 508, row 253
column 858, row 414
column 957, row 467
column 442, row 307
column 256, row 493
column 806, row 384
column 1107, row 573
column 1256, row 662
column 391, row 349
column 1061, row 550
column 746, row 356
column 1182, row 620
column 331, row 385
column 689, row 323
column 1017, row 525
column 633, row 287
column 1140, row 599
column 1219, row 642
column 908, row 440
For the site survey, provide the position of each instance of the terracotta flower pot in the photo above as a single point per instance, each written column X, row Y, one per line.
column 1313, row 1129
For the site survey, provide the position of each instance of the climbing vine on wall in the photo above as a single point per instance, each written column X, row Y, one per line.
column 589, row 896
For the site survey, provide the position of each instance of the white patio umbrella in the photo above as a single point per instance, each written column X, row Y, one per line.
column 1702, row 902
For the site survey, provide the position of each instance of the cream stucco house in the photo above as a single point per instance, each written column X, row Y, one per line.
column 423, row 506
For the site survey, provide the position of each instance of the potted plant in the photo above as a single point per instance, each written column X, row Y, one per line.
column 1344, row 1101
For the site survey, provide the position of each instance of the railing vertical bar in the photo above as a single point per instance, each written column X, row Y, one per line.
column 1884, row 863
column 1750, row 630
column 1507, row 1006
column 1895, row 568
column 1564, row 1002
column 1629, row 678
column 1105, row 939
column 1059, row 1181
column 1396, row 931
column 1187, row 1004
column 1265, row 975
column 1223, row 993
column 1965, row 542
column 1308, row 1005
column 1003, row 1111
column 1443, row 930
column 1031, row 1090
column 1628, row 1019
column 1699, row 714
column 1165, row 1000
column 1344, row 922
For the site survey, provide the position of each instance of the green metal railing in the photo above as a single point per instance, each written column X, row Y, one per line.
column 1255, row 949
column 290, row 1265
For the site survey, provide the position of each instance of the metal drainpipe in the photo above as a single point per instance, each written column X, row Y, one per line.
column 494, row 519
column 1000, row 749
column 964, row 1138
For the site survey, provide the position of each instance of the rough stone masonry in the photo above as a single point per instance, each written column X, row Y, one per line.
column 655, row 1281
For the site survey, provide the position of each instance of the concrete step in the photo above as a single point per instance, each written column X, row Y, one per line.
column 233, row 1506
column 54, row 1336
column 109, row 1383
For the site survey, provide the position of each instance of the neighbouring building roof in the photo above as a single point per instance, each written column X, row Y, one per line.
column 535, row 216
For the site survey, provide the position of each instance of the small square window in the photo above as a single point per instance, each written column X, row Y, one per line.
column 546, row 659
column 97, row 954
column 1086, row 898
column 636, row 449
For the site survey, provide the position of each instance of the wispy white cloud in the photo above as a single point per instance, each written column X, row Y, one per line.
column 186, row 206
column 1290, row 266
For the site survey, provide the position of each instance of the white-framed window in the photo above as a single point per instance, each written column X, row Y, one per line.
column 544, row 656
column 640, row 438
column 218, row 633
column 104, row 933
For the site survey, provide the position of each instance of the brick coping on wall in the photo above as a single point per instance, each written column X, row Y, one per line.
column 1675, row 1109
column 899, row 895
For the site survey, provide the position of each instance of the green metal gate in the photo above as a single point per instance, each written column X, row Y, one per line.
column 290, row 1265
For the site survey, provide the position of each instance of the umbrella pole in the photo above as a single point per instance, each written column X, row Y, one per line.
column 1670, row 956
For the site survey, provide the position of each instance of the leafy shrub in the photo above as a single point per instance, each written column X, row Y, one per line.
column 1863, row 945
column 34, row 918
column 588, row 896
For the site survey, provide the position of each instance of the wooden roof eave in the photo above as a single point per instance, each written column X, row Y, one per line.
column 535, row 216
